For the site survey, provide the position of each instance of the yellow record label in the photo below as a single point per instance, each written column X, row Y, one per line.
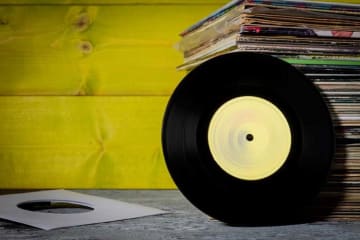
column 249, row 138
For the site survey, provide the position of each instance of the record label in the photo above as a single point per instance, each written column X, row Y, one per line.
column 242, row 134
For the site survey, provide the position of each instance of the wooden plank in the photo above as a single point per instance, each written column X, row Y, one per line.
column 92, row 50
column 82, row 142
column 137, row 2
column 115, row 2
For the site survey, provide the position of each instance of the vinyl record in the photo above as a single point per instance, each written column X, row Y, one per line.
column 248, row 139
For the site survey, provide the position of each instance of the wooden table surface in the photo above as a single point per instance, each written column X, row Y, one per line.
column 182, row 222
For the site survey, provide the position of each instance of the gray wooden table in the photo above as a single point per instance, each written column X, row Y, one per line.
column 183, row 222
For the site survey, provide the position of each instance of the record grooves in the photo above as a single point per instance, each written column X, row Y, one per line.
column 252, row 93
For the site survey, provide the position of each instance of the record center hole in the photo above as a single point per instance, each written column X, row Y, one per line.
column 58, row 207
column 249, row 137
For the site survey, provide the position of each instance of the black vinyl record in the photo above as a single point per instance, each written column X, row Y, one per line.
column 205, row 131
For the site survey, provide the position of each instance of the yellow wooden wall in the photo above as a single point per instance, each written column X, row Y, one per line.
column 83, row 88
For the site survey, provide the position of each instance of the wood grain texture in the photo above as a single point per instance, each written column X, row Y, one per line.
column 115, row 2
column 123, row 56
column 82, row 142
column 92, row 50
column 183, row 221
column 135, row 2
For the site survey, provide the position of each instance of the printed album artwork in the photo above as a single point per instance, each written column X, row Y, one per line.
column 322, row 40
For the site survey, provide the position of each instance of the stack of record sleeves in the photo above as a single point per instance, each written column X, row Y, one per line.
column 321, row 39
